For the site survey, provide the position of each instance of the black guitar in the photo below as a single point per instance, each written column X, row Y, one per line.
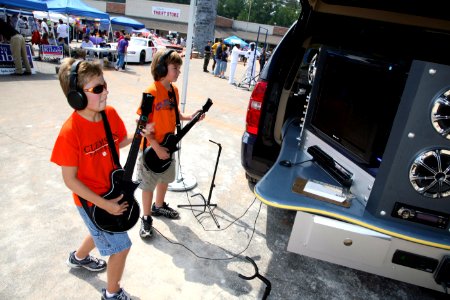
column 122, row 183
column 151, row 159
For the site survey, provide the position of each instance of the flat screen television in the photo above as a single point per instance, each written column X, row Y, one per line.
column 354, row 100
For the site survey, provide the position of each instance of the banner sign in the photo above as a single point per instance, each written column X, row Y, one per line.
column 51, row 52
column 166, row 12
column 6, row 60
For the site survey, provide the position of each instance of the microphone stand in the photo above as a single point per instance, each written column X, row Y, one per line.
column 207, row 203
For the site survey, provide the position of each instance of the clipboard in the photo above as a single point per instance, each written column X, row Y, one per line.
column 300, row 184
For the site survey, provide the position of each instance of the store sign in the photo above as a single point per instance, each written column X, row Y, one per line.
column 166, row 12
column 51, row 52
column 6, row 60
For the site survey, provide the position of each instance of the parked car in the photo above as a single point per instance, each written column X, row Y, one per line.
column 165, row 43
column 348, row 125
column 141, row 50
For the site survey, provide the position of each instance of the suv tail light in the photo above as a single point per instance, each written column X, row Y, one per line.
column 254, row 107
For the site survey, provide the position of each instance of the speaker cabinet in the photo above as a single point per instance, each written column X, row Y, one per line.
column 413, row 182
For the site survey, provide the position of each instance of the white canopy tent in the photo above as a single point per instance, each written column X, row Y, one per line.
column 54, row 17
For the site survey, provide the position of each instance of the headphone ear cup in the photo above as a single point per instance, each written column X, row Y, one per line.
column 161, row 68
column 77, row 100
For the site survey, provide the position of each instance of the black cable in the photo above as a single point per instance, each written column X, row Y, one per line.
column 212, row 258
column 289, row 164
column 225, row 250
column 301, row 162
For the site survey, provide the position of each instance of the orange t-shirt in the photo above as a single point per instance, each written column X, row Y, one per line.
column 83, row 144
column 163, row 112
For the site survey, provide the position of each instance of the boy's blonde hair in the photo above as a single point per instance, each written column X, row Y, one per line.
column 174, row 58
column 86, row 71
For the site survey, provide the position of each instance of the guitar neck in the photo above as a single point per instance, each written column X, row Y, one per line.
column 188, row 126
column 134, row 149
column 147, row 103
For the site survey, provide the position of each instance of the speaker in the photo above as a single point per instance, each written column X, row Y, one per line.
column 413, row 181
column 76, row 97
column 161, row 68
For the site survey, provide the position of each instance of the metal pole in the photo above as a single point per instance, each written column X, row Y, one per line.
column 182, row 181
column 68, row 28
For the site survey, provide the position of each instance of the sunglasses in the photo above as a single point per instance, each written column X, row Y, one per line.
column 97, row 89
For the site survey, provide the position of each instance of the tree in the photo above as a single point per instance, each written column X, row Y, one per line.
column 271, row 12
column 230, row 8
column 286, row 13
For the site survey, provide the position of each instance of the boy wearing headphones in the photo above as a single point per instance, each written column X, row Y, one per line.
column 165, row 68
column 83, row 153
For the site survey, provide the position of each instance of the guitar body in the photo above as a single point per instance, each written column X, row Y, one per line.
column 151, row 159
column 122, row 182
column 157, row 165
column 129, row 218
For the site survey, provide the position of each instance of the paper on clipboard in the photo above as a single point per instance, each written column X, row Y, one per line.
column 326, row 191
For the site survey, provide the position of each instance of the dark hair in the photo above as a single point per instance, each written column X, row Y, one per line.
column 7, row 30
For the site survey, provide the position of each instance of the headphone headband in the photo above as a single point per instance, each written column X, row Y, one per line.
column 74, row 75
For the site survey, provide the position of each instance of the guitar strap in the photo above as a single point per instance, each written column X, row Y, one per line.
column 112, row 148
column 177, row 113
column 109, row 136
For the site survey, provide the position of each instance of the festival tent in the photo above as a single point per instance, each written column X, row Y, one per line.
column 24, row 4
column 54, row 17
column 75, row 8
column 16, row 12
column 233, row 40
column 124, row 21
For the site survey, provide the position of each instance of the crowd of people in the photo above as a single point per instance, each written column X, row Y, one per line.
column 221, row 54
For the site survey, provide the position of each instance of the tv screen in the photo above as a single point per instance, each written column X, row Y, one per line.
column 354, row 102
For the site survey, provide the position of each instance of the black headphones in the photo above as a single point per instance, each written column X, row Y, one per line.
column 161, row 68
column 76, row 97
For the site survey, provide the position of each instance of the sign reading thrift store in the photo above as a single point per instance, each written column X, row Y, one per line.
column 6, row 60
column 166, row 12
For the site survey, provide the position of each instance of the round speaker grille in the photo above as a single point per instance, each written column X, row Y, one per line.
column 440, row 114
column 430, row 173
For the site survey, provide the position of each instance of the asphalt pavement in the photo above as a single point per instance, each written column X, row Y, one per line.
column 188, row 258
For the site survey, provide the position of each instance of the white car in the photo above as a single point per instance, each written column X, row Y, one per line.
column 140, row 50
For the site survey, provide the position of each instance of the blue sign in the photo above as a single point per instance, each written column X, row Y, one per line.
column 7, row 62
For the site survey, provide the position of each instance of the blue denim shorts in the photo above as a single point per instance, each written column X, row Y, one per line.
column 107, row 243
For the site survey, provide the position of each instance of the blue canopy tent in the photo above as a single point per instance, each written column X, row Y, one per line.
column 17, row 11
column 124, row 21
column 24, row 4
column 74, row 7
column 233, row 40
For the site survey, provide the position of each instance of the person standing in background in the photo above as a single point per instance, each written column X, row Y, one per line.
column 18, row 48
column 63, row 31
column 262, row 59
column 234, row 61
column 214, row 49
column 121, row 52
column 207, row 56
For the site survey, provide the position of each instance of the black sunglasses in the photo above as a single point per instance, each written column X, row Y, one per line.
column 97, row 89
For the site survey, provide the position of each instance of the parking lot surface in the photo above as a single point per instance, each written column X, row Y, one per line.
column 188, row 258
